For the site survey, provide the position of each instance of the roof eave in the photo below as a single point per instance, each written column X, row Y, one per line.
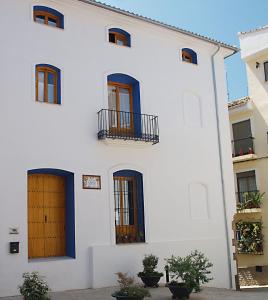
column 240, row 103
column 158, row 23
column 255, row 30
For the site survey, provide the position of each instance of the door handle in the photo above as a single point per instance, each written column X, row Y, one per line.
column 45, row 219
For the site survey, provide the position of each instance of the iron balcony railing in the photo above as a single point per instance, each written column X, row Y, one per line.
column 243, row 146
column 127, row 126
column 248, row 199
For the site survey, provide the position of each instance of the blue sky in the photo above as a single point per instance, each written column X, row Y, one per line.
column 219, row 19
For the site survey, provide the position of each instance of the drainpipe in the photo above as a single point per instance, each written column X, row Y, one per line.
column 221, row 165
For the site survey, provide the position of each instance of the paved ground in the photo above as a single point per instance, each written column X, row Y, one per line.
column 160, row 294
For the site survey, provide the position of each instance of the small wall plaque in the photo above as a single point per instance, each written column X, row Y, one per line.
column 91, row 182
column 13, row 230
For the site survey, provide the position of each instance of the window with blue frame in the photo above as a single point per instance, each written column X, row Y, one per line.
column 48, row 84
column 129, row 207
column 189, row 55
column 48, row 16
column 119, row 37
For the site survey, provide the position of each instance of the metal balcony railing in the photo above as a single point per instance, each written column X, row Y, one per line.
column 243, row 146
column 115, row 124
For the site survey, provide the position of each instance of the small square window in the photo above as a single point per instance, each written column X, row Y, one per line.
column 119, row 37
column 48, row 16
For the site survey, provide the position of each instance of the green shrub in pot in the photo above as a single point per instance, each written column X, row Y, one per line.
column 128, row 289
column 34, row 287
column 149, row 275
column 189, row 272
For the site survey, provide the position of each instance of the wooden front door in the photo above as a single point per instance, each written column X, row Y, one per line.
column 120, row 107
column 46, row 215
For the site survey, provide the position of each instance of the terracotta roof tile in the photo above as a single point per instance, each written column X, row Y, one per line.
column 155, row 22
column 238, row 102
column 254, row 30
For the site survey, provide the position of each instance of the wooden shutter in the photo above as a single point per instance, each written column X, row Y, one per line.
column 36, row 241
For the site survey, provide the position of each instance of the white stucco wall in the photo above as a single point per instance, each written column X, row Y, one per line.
column 253, row 42
column 39, row 135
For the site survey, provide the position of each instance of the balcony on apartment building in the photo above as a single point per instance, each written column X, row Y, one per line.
column 249, row 201
column 243, row 141
column 243, row 149
column 123, row 125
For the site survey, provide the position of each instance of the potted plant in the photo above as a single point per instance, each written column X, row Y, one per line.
column 34, row 287
column 149, row 276
column 251, row 200
column 188, row 273
column 128, row 290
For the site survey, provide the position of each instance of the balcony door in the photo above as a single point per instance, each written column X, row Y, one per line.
column 120, row 107
column 246, row 183
column 242, row 138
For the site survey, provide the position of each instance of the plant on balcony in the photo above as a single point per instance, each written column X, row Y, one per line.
column 128, row 290
column 149, row 276
column 251, row 200
column 34, row 287
column 250, row 237
column 188, row 273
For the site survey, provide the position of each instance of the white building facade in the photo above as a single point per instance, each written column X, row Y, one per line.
column 137, row 106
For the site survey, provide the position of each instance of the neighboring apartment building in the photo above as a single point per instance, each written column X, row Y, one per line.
column 114, row 144
column 249, row 130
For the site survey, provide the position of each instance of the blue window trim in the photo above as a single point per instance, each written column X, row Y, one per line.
column 123, row 32
column 70, row 207
column 58, row 71
column 192, row 53
column 126, row 79
column 140, row 199
column 51, row 11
